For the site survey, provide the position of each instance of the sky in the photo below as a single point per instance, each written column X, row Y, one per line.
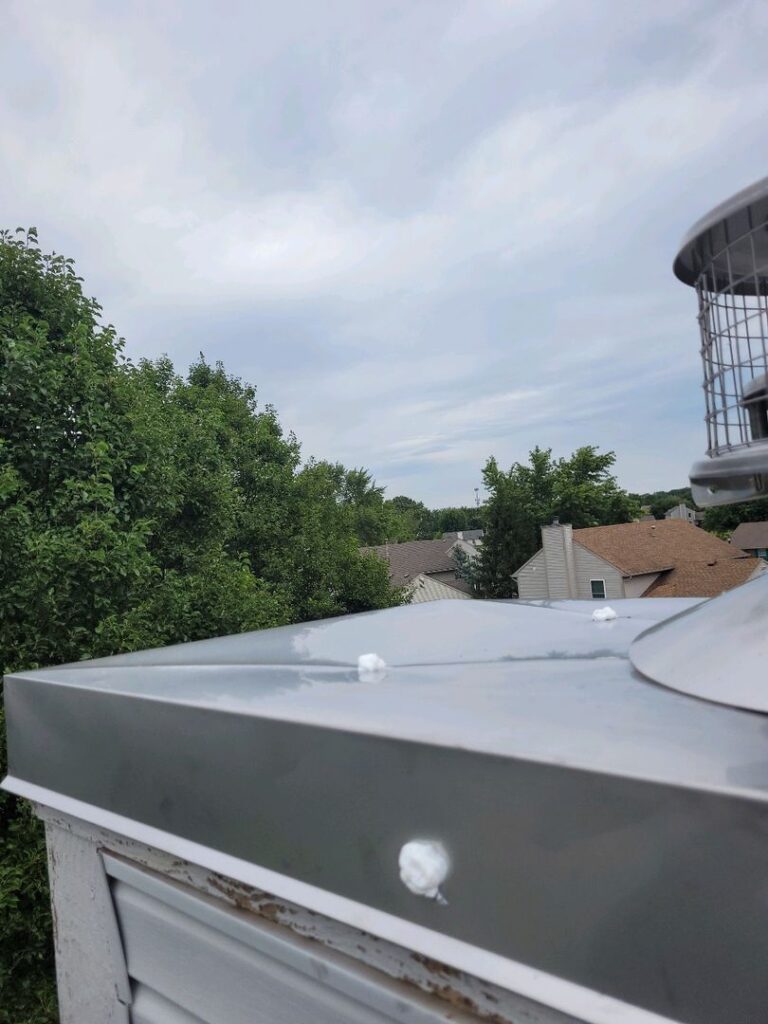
column 428, row 231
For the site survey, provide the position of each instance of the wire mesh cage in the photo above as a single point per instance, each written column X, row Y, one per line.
column 725, row 258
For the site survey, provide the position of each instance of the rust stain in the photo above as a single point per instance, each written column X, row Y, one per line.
column 461, row 1002
column 435, row 966
column 270, row 910
column 455, row 999
column 245, row 897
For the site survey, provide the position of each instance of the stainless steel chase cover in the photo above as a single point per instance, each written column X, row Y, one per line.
column 717, row 650
column 600, row 828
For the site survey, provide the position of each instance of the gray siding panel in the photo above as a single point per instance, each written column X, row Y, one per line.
column 590, row 566
column 150, row 1008
column 532, row 579
column 636, row 586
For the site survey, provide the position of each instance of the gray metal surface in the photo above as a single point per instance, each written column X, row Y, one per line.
column 730, row 477
column 725, row 258
column 709, row 237
column 718, row 650
column 602, row 829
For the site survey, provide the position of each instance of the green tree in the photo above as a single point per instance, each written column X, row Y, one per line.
column 510, row 529
column 723, row 519
column 660, row 502
column 408, row 519
column 579, row 490
column 364, row 503
column 466, row 567
column 138, row 508
column 453, row 519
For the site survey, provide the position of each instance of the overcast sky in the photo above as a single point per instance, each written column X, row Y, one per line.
column 427, row 231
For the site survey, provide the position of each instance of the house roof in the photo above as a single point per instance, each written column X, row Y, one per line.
column 408, row 560
column 464, row 535
column 704, row 580
column 637, row 548
column 751, row 535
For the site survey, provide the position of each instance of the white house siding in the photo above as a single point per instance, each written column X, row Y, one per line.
column 636, row 586
column 532, row 578
column 590, row 566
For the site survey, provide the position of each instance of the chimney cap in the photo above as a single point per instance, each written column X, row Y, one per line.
column 555, row 520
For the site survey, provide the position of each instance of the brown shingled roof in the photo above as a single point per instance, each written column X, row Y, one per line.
column 751, row 536
column 693, row 563
column 409, row 559
column 697, row 579
column 636, row 548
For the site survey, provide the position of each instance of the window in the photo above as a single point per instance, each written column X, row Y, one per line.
column 598, row 589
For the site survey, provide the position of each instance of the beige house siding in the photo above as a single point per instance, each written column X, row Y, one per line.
column 590, row 566
column 532, row 578
column 548, row 574
column 636, row 586
column 427, row 588
column 559, row 568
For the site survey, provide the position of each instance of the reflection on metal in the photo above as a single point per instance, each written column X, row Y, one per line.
column 725, row 258
column 717, row 650
column 606, row 835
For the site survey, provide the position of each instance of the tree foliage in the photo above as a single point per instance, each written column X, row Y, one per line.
column 723, row 519
column 412, row 520
column 659, row 502
column 579, row 490
column 139, row 507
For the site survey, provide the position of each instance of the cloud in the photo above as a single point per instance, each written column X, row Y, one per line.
column 427, row 232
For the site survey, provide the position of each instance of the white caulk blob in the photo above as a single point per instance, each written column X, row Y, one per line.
column 424, row 866
column 370, row 668
column 603, row 614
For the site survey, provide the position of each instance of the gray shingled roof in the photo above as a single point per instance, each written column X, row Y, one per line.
column 750, row 536
column 412, row 557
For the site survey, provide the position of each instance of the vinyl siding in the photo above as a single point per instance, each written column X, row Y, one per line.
column 427, row 588
column 636, row 586
column 557, row 542
column 591, row 567
column 532, row 579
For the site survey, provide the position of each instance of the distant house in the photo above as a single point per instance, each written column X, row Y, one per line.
column 473, row 537
column 668, row 558
column 753, row 538
column 688, row 515
column 426, row 567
